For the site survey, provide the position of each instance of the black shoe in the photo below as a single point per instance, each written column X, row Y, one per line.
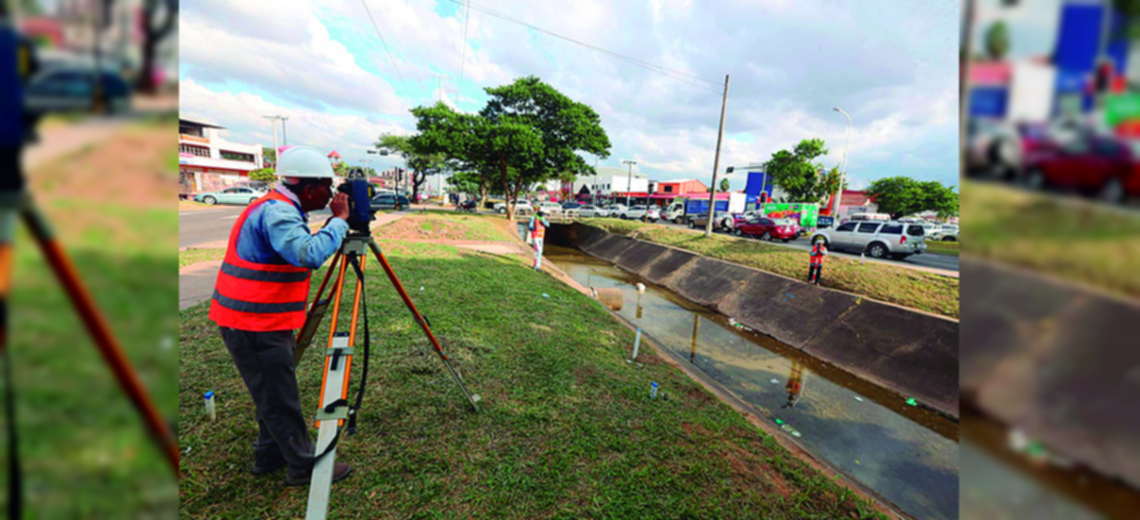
column 267, row 465
column 341, row 471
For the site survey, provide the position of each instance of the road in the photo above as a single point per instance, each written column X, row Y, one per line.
column 212, row 226
column 941, row 264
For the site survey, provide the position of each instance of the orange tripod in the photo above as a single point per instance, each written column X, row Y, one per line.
column 20, row 204
column 335, row 408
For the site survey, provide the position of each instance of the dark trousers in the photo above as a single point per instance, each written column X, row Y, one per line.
column 11, row 171
column 814, row 273
column 265, row 360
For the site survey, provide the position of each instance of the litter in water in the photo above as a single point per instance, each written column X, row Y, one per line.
column 775, row 381
column 544, row 295
column 860, row 399
column 911, row 401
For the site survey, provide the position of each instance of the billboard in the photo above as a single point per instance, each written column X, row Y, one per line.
column 1030, row 98
column 806, row 214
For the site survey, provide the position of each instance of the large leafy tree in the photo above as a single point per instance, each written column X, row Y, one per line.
column 266, row 175
column 549, row 126
column 902, row 196
column 471, row 183
column 800, row 179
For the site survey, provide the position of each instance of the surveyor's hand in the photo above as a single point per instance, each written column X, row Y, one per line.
column 339, row 206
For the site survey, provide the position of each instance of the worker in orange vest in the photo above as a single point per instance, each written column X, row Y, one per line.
column 818, row 251
column 537, row 227
column 259, row 300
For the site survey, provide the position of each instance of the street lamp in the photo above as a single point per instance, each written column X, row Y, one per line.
column 629, row 181
column 843, row 165
column 385, row 153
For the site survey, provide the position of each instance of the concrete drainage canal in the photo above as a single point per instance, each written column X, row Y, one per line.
column 907, row 455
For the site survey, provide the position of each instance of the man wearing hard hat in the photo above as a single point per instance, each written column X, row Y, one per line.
column 259, row 299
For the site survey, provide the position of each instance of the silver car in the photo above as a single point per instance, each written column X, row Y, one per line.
column 592, row 211
column 877, row 239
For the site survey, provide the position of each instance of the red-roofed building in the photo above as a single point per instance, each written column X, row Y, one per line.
column 852, row 202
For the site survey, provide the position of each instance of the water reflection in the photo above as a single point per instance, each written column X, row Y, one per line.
column 858, row 429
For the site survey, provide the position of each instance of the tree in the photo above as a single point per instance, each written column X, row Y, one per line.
column 340, row 169
column 269, row 156
column 795, row 174
column 997, row 41
column 154, row 31
column 422, row 162
column 902, row 196
column 266, row 175
column 724, row 185
column 470, row 182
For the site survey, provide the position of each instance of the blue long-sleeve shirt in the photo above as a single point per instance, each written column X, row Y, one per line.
column 278, row 233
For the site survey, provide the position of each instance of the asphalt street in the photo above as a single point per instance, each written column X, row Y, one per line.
column 204, row 226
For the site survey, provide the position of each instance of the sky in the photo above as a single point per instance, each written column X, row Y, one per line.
column 890, row 64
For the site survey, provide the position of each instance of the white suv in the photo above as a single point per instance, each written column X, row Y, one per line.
column 897, row 240
column 650, row 213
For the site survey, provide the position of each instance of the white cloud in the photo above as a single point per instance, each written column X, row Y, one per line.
column 892, row 65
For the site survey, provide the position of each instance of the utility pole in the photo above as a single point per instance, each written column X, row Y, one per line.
column 629, row 181
column 716, row 160
column 284, row 134
column 843, row 166
column 964, row 86
column 276, row 159
column 594, row 192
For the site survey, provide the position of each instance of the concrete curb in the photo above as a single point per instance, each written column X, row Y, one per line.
column 912, row 353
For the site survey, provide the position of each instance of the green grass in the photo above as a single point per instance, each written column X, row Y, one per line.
column 85, row 451
column 942, row 248
column 1074, row 240
column 193, row 256
column 566, row 428
column 907, row 287
column 447, row 225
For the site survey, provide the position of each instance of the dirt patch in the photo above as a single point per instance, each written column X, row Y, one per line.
column 749, row 468
column 130, row 168
column 690, row 428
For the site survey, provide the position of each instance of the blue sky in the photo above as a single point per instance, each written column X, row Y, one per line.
column 891, row 64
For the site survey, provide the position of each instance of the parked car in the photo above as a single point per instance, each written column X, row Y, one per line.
column 592, row 211
column 571, row 205
column 640, row 211
column 550, row 208
column 729, row 222
column 699, row 221
column 71, row 88
column 389, row 201
column 992, row 147
column 878, row 239
column 501, row 207
column 1101, row 166
column 232, row 195
column 948, row 234
column 766, row 229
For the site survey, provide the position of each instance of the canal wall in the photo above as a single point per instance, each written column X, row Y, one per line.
column 912, row 353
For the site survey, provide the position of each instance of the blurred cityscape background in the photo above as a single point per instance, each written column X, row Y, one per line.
column 102, row 165
column 1051, row 173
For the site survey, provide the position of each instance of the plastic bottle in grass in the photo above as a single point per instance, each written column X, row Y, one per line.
column 210, row 410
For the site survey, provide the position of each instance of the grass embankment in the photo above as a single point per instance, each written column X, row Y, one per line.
column 442, row 225
column 85, row 451
column 566, row 428
column 907, row 287
column 189, row 205
column 1075, row 240
column 940, row 247
column 193, row 256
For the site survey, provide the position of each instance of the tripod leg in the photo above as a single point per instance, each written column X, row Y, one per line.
column 15, row 484
column 316, row 313
column 338, row 288
column 101, row 333
column 420, row 319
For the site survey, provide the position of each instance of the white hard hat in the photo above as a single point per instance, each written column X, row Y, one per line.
column 304, row 162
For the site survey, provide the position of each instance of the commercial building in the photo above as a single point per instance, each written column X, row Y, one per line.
column 207, row 162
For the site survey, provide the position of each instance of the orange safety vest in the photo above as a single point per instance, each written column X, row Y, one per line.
column 259, row 297
column 818, row 251
column 539, row 229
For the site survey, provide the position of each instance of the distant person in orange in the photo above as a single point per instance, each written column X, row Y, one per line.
column 818, row 252
column 537, row 227
column 795, row 386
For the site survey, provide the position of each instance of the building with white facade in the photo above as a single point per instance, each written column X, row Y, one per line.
column 614, row 182
column 207, row 162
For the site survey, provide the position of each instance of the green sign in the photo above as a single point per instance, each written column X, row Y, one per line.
column 1121, row 108
column 806, row 214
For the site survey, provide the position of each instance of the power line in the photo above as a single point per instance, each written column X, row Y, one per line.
column 393, row 60
column 463, row 59
column 634, row 61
